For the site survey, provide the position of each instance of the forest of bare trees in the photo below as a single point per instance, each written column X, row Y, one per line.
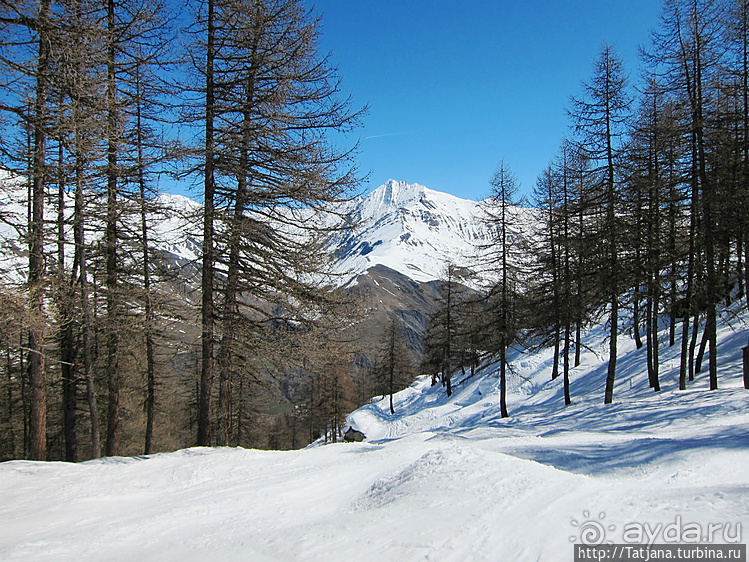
column 109, row 349
column 102, row 103
column 642, row 212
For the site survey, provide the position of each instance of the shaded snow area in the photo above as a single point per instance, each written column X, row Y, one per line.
column 442, row 479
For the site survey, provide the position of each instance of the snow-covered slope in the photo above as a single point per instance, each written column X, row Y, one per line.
column 442, row 479
column 416, row 231
column 175, row 226
column 411, row 229
column 173, row 219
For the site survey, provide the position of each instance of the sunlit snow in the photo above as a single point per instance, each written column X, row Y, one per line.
column 442, row 479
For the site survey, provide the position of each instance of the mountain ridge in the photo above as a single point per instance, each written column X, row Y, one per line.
column 411, row 229
column 406, row 227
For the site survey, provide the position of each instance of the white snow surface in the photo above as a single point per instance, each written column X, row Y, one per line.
column 442, row 479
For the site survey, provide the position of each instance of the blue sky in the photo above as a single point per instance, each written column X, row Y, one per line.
column 453, row 87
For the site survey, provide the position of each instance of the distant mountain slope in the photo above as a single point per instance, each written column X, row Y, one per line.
column 411, row 229
column 174, row 222
column 408, row 228
column 405, row 227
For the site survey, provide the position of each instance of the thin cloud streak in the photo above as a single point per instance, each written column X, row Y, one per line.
column 384, row 135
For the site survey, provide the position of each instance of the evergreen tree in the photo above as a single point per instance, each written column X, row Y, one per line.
column 441, row 355
column 689, row 47
column 499, row 217
column 30, row 35
column 269, row 168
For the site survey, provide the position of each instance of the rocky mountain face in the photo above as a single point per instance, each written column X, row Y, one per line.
column 406, row 235
column 381, row 292
column 402, row 239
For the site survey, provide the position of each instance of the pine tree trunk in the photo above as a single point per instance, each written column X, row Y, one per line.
column 567, row 288
column 11, row 413
column 557, row 342
column 636, row 315
column 567, row 399
column 707, row 206
column 93, row 408
column 686, row 363
column 237, row 231
column 701, row 352
column 555, row 282
column 611, row 371
column 80, row 248
column 24, row 396
column 149, row 315
column 654, row 335
column 36, row 367
column 503, row 378
column 693, row 345
column 65, row 294
column 112, row 273
column 649, row 333
column 712, row 280
column 673, row 295
column 207, row 308
column 739, row 272
column 684, row 352
column 579, row 274
column 69, row 388
column 654, row 295
column 613, row 264
column 653, row 256
column 392, row 387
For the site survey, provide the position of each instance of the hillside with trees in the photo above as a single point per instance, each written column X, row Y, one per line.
column 113, row 346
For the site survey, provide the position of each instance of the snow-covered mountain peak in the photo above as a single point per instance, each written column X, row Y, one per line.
column 177, row 202
column 396, row 193
column 411, row 229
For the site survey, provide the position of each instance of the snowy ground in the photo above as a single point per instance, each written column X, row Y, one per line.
column 443, row 479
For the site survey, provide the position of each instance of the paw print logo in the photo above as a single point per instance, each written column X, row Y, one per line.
column 592, row 531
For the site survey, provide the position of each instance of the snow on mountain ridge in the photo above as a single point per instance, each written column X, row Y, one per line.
column 396, row 193
column 404, row 226
column 412, row 229
column 177, row 202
